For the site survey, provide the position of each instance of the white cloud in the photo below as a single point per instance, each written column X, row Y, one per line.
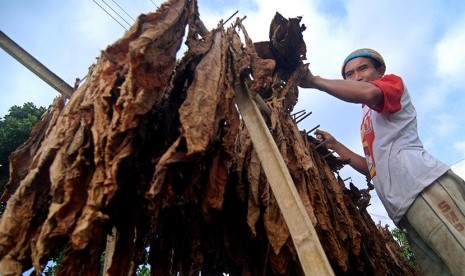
column 446, row 124
column 450, row 55
column 434, row 95
column 458, row 165
column 459, row 169
column 460, row 146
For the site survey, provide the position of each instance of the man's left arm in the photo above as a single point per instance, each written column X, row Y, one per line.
column 346, row 90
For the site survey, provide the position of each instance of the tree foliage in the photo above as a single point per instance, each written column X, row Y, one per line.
column 401, row 237
column 15, row 128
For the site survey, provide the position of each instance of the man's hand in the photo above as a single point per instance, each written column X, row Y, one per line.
column 324, row 137
column 307, row 80
column 355, row 160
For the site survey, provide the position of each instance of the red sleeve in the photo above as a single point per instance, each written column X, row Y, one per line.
column 392, row 88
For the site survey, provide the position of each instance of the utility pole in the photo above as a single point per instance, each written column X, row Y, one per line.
column 34, row 65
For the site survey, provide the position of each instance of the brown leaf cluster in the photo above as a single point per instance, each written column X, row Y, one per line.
column 149, row 161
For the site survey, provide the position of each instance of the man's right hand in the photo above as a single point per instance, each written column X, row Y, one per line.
column 326, row 138
column 355, row 160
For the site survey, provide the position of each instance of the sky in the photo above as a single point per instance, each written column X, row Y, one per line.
column 420, row 40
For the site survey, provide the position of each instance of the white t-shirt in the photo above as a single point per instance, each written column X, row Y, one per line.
column 399, row 165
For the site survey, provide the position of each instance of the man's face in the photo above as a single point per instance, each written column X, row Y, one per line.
column 362, row 69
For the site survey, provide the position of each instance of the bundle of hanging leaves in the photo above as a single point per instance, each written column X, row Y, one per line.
column 150, row 162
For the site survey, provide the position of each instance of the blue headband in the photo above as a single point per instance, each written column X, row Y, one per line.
column 364, row 52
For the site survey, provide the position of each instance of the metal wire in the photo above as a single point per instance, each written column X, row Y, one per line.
column 110, row 15
column 123, row 10
column 129, row 24
column 154, row 4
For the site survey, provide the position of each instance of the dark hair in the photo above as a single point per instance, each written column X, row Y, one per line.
column 376, row 63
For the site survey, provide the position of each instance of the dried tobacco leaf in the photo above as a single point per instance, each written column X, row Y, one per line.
column 151, row 154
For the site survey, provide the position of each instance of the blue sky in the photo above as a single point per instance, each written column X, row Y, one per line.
column 421, row 41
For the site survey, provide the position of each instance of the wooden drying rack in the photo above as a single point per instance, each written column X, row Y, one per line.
column 311, row 255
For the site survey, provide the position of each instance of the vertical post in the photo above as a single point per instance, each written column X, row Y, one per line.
column 110, row 250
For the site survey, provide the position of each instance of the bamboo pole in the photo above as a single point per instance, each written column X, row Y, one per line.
column 34, row 65
column 312, row 258
column 110, row 250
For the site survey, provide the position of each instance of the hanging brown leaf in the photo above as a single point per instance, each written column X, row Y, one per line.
column 150, row 160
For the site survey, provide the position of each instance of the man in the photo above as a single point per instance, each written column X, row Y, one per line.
column 420, row 194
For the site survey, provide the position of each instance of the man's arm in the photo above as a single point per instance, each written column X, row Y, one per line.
column 356, row 161
column 346, row 90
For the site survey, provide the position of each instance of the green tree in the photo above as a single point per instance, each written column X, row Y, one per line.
column 401, row 237
column 15, row 129
column 143, row 270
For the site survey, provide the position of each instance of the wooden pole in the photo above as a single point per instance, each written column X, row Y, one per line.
column 311, row 255
column 110, row 250
column 34, row 65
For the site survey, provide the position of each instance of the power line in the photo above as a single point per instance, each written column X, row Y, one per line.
column 110, row 15
column 154, row 3
column 123, row 10
column 463, row 159
column 129, row 24
column 383, row 217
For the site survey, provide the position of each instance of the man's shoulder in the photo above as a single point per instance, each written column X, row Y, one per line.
column 392, row 80
column 391, row 77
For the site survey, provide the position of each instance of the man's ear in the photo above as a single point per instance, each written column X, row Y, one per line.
column 380, row 70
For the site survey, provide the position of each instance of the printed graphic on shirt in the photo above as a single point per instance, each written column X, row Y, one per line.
column 368, row 136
